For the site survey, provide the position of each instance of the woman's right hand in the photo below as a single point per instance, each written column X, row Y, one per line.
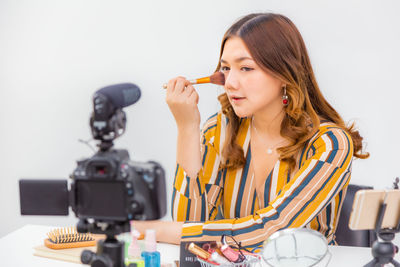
column 182, row 100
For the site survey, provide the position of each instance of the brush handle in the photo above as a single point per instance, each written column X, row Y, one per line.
column 194, row 81
column 202, row 80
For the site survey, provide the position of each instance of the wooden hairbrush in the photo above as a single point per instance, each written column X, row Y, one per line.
column 68, row 237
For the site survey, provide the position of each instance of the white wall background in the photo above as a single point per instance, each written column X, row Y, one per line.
column 55, row 54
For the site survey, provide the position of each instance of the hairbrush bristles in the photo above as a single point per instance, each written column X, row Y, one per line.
column 68, row 237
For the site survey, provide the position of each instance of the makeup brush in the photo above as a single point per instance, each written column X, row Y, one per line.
column 217, row 78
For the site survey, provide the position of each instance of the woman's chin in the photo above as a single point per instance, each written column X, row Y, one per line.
column 241, row 113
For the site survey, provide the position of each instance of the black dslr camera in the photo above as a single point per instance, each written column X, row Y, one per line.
column 108, row 189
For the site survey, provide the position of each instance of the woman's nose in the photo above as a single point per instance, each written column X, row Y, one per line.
column 231, row 80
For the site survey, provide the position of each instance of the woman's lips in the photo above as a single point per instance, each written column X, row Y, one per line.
column 237, row 99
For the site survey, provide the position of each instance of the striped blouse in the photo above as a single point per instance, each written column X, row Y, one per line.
column 310, row 196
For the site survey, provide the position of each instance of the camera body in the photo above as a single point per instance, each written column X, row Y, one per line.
column 109, row 187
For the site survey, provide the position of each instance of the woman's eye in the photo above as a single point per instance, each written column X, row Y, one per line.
column 224, row 68
column 246, row 69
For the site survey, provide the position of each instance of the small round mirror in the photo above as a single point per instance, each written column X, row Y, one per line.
column 298, row 247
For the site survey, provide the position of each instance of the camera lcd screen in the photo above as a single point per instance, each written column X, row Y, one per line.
column 101, row 199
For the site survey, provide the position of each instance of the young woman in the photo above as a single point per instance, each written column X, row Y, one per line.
column 276, row 156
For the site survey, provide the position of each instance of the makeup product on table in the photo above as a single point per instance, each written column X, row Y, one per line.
column 133, row 255
column 216, row 78
column 216, row 254
column 201, row 253
column 213, row 253
column 126, row 238
column 151, row 256
column 186, row 257
column 231, row 254
column 198, row 251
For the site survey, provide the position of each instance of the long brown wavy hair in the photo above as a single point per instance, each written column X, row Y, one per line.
column 277, row 47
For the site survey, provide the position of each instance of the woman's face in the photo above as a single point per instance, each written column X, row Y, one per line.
column 250, row 89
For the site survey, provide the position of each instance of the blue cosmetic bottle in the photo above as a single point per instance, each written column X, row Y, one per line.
column 151, row 256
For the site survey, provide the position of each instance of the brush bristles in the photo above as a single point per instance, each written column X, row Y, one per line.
column 218, row 78
column 68, row 235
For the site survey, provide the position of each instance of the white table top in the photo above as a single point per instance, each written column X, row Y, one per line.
column 16, row 249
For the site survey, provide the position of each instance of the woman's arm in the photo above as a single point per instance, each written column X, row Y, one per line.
column 188, row 149
column 182, row 100
column 187, row 191
column 197, row 198
column 197, row 162
column 166, row 232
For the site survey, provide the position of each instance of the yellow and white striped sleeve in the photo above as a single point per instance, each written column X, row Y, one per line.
column 197, row 199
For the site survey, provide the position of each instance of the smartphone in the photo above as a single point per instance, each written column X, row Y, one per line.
column 366, row 207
